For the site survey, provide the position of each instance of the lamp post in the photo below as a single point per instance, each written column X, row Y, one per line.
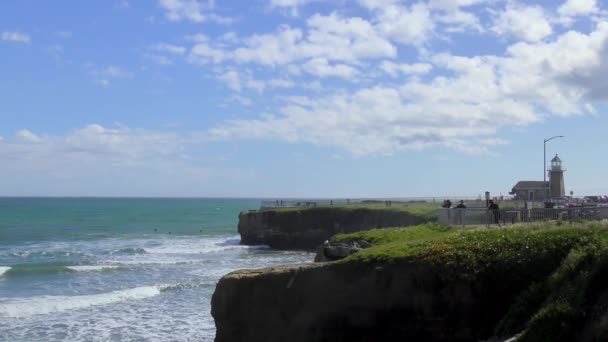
column 545, row 163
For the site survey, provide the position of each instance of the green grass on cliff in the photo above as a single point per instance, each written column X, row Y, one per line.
column 425, row 210
column 552, row 277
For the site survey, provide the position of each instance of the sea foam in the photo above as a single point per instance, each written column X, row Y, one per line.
column 90, row 268
column 201, row 247
column 44, row 305
column 3, row 269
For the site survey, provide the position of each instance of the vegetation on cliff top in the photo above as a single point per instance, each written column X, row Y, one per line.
column 423, row 212
column 418, row 208
column 552, row 277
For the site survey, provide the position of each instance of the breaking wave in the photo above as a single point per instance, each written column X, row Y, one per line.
column 4, row 269
column 44, row 305
column 89, row 268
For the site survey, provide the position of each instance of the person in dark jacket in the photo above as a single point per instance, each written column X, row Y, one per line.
column 495, row 210
column 461, row 213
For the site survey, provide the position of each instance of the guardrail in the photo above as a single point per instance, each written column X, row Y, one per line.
column 483, row 216
column 307, row 203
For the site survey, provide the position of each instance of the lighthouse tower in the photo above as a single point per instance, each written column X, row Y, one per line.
column 556, row 178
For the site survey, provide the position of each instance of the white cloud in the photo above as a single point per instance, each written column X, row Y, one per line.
column 321, row 68
column 169, row 48
column 523, row 22
column 103, row 82
column 198, row 38
column 455, row 4
column 160, row 52
column 572, row 8
column 98, row 160
column 115, row 72
column 120, row 142
column 203, row 52
column 28, row 136
column 242, row 100
column 394, row 69
column 159, row 59
column 95, row 141
column 15, row 37
column 56, row 51
column 291, row 5
column 370, row 121
column 411, row 25
column 459, row 21
column 562, row 72
column 280, row 83
column 238, row 81
column 104, row 75
column 192, row 10
column 466, row 102
column 331, row 37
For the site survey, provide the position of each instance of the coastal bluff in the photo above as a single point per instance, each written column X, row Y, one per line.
column 430, row 283
column 343, row 302
column 307, row 228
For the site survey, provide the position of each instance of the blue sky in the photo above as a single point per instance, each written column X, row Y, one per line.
column 299, row 98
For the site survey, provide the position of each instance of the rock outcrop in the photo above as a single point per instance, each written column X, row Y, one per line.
column 331, row 251
column 343, row 302
column 308, row 228
column 429, row 283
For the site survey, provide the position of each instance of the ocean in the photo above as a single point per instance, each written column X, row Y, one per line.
column 86, row 269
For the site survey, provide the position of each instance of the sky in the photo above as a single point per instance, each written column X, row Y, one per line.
column 300, row 98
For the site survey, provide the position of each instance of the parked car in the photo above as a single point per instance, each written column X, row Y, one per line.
column 592, row 199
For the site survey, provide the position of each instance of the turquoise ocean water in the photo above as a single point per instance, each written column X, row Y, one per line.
column 89, row 269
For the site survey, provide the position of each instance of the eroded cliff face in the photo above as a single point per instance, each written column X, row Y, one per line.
column 309, row 228
column 429, row 283
column 350, row 302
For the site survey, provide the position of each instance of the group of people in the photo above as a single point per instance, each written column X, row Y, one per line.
column 448, row 204
column 492, row 206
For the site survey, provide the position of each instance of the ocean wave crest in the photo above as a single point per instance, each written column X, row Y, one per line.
column 4, row 269
column 129, row 251
column 202, row 247
column 89, row 268
column 49, row 254
column 185, row 286
column 44, row 305
column 54, row 267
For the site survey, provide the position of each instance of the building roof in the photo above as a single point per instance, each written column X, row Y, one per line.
column 530, row 185
column 556, row 159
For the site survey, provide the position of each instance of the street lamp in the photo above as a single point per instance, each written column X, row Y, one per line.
column 545, row 163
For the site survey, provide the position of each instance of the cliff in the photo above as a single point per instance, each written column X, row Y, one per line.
column 309, row 227
column 430, row 283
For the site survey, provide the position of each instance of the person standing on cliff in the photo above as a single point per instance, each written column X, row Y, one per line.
column 461, row 212
column 495, row 210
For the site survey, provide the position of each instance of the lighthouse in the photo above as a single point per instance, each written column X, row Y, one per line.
column 556, row 178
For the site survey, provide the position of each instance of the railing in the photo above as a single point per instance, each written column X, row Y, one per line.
column 483, row 216
column 307, row 203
